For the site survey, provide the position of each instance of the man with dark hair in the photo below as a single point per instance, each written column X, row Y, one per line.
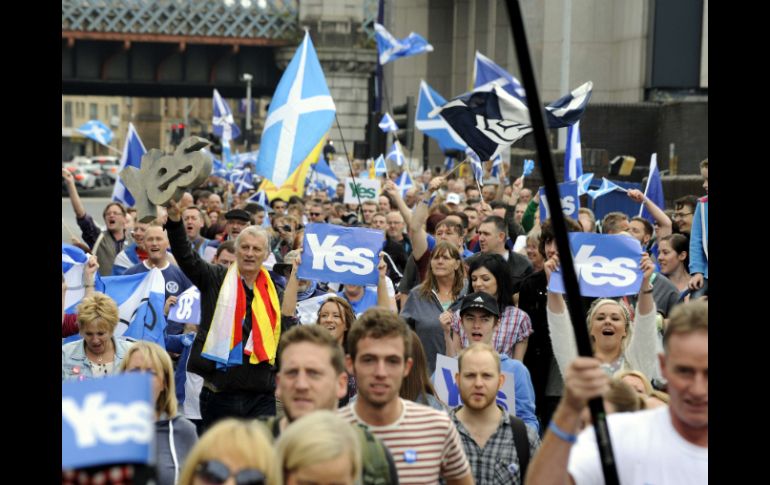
column 379, row 345
column 369, row 208
column 279, row 206
column 225, row 255
column 664, row 445
column 316, row 212
column 684, row 209
column 493, row 233
column 339, row 193
column 193, row 220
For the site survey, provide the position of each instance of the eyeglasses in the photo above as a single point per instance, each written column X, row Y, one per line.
column 315, row 214
column 285, row 228
column 679, row 215
column 216, row 473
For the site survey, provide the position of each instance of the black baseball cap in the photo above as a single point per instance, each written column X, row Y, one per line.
column 482, row 300
column 238, row 214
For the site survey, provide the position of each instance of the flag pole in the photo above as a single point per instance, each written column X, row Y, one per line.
column 574, row 302
column 350, row 165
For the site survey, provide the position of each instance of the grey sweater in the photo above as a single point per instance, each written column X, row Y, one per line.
column 170, row 454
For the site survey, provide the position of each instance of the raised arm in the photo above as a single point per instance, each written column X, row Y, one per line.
column 89, row 275
column 289, row 304
column 664, row 222
column 391, row 189
column 417, row 225
column 77, row 204
column 383, row 299
column 559, row 323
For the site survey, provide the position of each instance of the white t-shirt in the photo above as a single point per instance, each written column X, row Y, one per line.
column 648, row 451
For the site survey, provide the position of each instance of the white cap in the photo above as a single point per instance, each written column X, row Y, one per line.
column 452, row 198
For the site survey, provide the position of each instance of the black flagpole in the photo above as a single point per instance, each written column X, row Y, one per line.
column 574, row 303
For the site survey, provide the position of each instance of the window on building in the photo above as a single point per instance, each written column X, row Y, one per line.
column 68, row 113
column 79, row 107
column 114, row 109
column 93, row 111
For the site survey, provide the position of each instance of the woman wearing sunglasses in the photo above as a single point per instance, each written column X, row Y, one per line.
column 232, row 448
column 175, row 435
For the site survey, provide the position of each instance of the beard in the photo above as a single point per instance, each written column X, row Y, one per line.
column 478, row 403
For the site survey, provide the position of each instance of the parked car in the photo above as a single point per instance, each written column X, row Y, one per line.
column 83, row 179
column 106, row 168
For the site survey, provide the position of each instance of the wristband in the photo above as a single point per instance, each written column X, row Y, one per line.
column 561, row 434
column 647, row 292
column 88, row 286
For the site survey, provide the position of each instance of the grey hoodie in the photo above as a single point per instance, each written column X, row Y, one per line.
column 173, row 441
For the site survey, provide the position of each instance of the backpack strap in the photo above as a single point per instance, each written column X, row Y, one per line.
column 521, row 441
column 375, row 458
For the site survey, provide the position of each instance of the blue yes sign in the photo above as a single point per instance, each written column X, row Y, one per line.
column 106, row 421
column 607, row 265
column 568, row 195
column 340, row 254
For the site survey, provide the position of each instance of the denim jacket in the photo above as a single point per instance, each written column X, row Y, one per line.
column 75, row 364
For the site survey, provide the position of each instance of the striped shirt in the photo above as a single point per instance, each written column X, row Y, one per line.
column 423, row 441
column 514, row 326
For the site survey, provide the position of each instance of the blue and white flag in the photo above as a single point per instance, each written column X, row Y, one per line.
column 390, row 48
column 404, row 182
column 226, row 153
column 243, row 160
column 435, row 126
column 340, row 254
column 573, row 158
column 478, row 169
column 97, row 131
column 449, row 393
column 73, row 261
column 584, row 181
column 323, row 174
column 568, row 109
column 380, row 167
column 395, row 154
column 224, row 125
column 387, row 123
column 133, row 151
column 187, row 308
column 262, row 199
column 605, row 188
column 568, row 196
column 140, row 298
column 606, row 265
column 497, row 163
column 449, row 163
column 653, row 190
column 486, row 72
column 218, row 169
column 107, row 421
column 529, row 166
column 301, row 112
column 489, row 119
column 244, row 182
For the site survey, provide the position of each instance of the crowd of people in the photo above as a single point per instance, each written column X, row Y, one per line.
column 463, row 272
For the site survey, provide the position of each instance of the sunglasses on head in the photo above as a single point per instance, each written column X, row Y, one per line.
column 216, row 473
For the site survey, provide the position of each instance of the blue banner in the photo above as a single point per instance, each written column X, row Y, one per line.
column 607, row 265
column 570, row 203
column 338, row 254
column 187, row 308
column 107, row 421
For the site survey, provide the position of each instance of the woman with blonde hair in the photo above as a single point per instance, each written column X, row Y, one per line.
column 638, row 381
column 232, row 448
column 320, row 447
column 175, row 435
column 99, row 353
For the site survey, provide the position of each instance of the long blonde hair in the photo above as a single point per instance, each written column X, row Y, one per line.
column 157, row 358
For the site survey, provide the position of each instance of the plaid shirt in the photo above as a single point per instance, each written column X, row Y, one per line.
column 496, row 463
column 514, row 326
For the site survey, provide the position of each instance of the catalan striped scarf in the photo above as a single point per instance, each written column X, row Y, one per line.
column 224, row 343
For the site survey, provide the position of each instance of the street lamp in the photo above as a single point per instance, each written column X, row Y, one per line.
column 248, row 77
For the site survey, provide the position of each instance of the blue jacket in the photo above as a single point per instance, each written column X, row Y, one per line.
column 699, row 239
column 180, row 344
column 525, row 392
column 75, row 364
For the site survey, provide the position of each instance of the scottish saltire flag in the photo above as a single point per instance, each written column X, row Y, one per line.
column 486, row 72
column 262, row 199
column 607, row 265
column 107, row 421
column 654, row 189
column 605, row 188
column 584, row 181
column 388, row 124
column 244, row 183
column 449, row 164
column 390, row 48
column 242, row 160
column 223, row 123
column 395, row 154
column 529, row 166
column 97, row 131
column 73, row 261
column 404, row 182
column 488, row 119
column 478, row 169
column 218, row 168
column 301, row 112
column 323, row 174
column 568, row 109
column 435, row 126
column 140, row 298
column 380, row 167
column 573, row 158
column 497, row 162
column 133, row 150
